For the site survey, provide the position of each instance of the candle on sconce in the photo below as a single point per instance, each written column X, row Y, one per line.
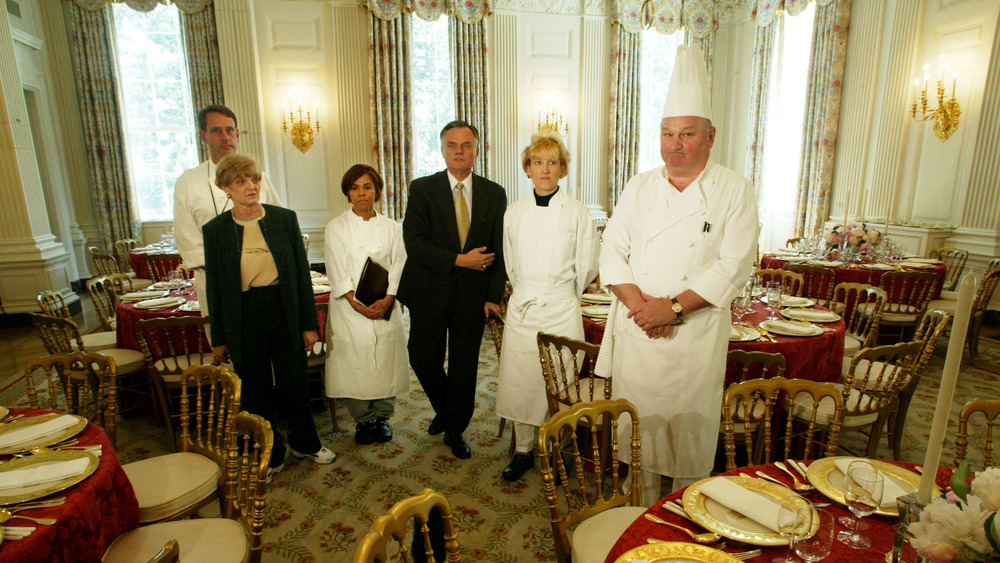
column 954, row 78
column 946, row 392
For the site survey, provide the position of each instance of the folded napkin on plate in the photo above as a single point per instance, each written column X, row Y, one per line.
column 814, row 314
column 317, row 288
column 790, row 327
column 141, row 295
column 757, row 507
column 35, row 431
column 158, row 302
column 191, row 306
column 734, row 333
column 40, row 474
column 890, row 490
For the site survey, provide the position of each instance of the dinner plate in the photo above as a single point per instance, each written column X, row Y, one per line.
column 144, row 295
column 596, row 311
column 724, row 521
column 314, row 274
column 321, row 280
column 827, row 263
column 320, row 289
column 793, row 301
column 878, row 266
column 914, row 265
column 744, row 334
column 676, row 551
column 170, row 285
column 190, row 306
column 828, row 479
column 596, row 298
column 46, row 440
column 161, row 303
column 925, row 260
column 810, row 315
column 795, row 258
column 777, row 328
column 31, row 492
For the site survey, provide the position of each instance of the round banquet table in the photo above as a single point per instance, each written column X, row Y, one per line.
column 880, row 528
column 98, row 509
column 140, row 265
column 853, row 273
column 817, row 358
column 128, row 316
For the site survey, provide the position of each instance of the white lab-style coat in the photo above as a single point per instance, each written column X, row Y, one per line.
column 197, row 200
column 550, row 254
column 367, row 358
column 666, row 242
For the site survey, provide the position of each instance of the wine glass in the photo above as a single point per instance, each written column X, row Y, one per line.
column 742, row 306
column 773, row 299
column 817, row 546
column 794, row 520
column 175, row 279
column 863, row 492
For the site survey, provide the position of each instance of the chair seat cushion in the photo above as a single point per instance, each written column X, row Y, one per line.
column 126, row 361
column 949, row 295
column 593, row 538
column 97, row 341
column 851, row 346
column 170, row 484
column 218, row 540
column 802, row 409
column 946, row 305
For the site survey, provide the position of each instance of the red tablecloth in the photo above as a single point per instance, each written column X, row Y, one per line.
column 141, row 267
column 128, row 316
column 854, row 274
column 98, row 509
column 817, row 358
column 880, row 528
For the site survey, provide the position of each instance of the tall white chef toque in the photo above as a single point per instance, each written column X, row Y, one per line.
column 689, row 94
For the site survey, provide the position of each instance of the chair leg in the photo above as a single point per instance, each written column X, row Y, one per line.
column 503, row 422
column 332, row 407
column 875, row 437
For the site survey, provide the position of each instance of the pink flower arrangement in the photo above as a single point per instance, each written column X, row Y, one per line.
column 962, row 526
column 859, row 235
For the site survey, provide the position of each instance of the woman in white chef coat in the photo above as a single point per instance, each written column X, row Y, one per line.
column 550, row 251
column 366, row 366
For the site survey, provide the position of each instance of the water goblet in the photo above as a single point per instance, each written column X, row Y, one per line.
column 863, row 493
column 773, row 299
column 742, row 306
column 794, row 521
column 817, row 546
column 175, row 279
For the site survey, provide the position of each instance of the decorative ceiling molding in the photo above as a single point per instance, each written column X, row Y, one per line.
column 555, row 7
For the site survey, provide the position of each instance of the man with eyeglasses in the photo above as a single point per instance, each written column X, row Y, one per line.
column 197, row 199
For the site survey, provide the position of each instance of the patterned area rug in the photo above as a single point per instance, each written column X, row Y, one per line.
column 318, row 513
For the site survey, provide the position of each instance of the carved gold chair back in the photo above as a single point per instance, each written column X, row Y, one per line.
column 391, row 529
column 991, row 410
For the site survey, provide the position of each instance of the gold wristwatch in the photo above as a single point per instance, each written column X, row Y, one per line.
column 678, row 310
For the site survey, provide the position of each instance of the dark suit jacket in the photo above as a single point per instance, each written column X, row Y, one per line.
column 223, row 245
column 430, row 232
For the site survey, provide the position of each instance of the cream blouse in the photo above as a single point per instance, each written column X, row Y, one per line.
column 257, row 268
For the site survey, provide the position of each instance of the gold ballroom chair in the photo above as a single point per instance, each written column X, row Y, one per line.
column 991, row 410
column 954, row 264
column 907, row 297
column 861, row 306
column 791, row 282
column 392, row 526
column 817, row 282
column 981, row 302
column 80, row 383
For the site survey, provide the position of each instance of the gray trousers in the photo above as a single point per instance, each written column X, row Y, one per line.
column 370, row 410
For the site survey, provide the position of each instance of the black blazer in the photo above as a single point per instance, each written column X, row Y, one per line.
column 430, row 232
column 223, row 244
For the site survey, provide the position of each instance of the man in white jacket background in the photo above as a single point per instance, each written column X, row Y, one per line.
column 676, row 250
column 197, row 199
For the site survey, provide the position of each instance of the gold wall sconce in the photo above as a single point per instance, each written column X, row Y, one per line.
column 554, row 122
column 945, row 115
column 302, row 130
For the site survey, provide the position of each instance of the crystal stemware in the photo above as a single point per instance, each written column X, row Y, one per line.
column 817, row 546
column 773, row 299
column 863, row 493
column 794, row 521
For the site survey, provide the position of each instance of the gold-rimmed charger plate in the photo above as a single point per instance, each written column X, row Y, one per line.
column 810, row 315
column 596, row 298
column 596, row 311
column 779, row 327
column 916, row 265
column 743, row 334
column 4, row 411
column 878, row 266
column 160, row 303
column 824, row 475
column 31, row 492
column 676, row 551
column 716, row 517
column 46, row 440
column 320, row 289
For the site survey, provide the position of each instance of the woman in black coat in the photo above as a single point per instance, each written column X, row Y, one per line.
column 263, row 315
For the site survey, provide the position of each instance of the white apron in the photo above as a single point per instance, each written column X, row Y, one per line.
column 367, row 358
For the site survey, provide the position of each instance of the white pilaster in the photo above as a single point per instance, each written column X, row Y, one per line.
column 502, row 59
column 591, row 163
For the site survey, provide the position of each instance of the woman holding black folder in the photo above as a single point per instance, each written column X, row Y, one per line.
column 367, row 364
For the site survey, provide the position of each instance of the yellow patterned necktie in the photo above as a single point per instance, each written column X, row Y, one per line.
column 461, row 214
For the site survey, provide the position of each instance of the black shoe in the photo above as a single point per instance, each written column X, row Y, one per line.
column 518, row 466
column 381, row 431
column 457, row 444
column 363, row 433
column 436, row 427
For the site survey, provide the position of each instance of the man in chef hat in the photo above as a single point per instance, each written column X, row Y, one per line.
column 676, row 250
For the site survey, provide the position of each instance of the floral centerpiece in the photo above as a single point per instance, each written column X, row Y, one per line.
column 857, row 235
column 963, row 525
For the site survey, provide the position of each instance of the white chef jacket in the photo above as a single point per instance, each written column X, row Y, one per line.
column 550, row 254
column 666, row 242
column 367, row 358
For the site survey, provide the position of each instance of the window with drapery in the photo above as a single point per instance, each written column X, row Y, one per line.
column 655, row 70
column 433, row 102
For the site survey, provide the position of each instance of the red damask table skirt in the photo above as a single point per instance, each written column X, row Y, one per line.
column 140, row 265
column 853, row 274
column 880, row 528
column 817, row 358
column 98, row 509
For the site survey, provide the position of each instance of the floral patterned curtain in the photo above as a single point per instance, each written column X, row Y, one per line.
column 466, row 11
column 696, row 17
column 144, row 6
column 623, row 153
column 201, row 47
column 471, row 80
column 819, row 140
column 391, row 111
column 95, row 72
column 760, row 81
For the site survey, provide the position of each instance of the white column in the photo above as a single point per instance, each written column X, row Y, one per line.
column 983, row 198
column 504, row 163
column 592, row 162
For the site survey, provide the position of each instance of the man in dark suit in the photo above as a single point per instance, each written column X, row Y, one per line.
column 453, row 277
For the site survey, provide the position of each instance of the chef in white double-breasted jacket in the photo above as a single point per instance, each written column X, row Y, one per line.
column 677, row 248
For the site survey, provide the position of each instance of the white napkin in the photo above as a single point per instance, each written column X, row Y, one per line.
column 793, row 301
column 35, row 431
column 793, row 328
column 734, row 333
column 827, row 263
column 140, row 295
column 191, row 306
column 890, row 490
column 321, row 289
column 597, row 298
column 39, row 474
column 757, row 507
column 159, row 302
column 321, row 280
column 815, row 315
